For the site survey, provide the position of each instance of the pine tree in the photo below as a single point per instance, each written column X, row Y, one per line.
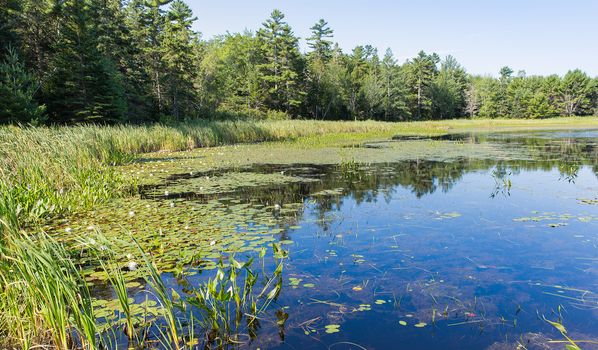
column 321, row 87
column 394, row 95
column 420, row 74
column 280, row 73
column 17, row 90
column 84, row 85
column 114, row 27
column 147, row 27
column 318, row 42
column 178, row 43
column 448, row 90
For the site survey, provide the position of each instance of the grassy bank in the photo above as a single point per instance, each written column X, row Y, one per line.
column 49, row 170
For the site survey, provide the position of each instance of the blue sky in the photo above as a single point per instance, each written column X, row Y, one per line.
column 538, row 36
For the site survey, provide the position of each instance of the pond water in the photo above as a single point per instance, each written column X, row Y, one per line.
column 465, row 253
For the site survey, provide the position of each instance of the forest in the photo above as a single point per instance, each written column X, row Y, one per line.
column 140, row 61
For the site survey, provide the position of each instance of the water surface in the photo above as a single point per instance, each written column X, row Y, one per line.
column 472, row 252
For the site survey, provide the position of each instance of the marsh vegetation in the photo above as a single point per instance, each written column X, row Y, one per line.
column 442, row 238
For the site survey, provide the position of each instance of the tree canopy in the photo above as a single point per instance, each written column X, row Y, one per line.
column 113, row 61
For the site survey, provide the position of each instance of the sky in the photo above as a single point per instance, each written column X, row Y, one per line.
column 538, row 36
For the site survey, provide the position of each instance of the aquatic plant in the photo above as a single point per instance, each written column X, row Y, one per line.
column 46, row 301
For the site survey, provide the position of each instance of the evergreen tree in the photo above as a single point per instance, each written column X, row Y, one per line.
column 576, row 93
column 84, row 85
column 147, row 29
column 318, row 42
column 114, row 26
column 448, row 91
column 17, row 90
column 178, row 43
column 420, row 74
column 321, row 87
column 280, row 73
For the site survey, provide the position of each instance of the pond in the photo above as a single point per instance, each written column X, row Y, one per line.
column 448, row 248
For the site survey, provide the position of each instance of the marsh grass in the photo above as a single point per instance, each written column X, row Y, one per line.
column 46, row 301
column 45, row 171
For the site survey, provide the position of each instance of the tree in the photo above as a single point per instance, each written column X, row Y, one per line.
column 576, row 93
column 321, row 89
column 84, row 85
column 472, row 100
column 147, row 28
column 178, row 49
column 17, row 90
column 228, row 78
column 114, row 27
column 420, row 74
column 394, row 95
column 280, row 72
column 356, row 69
column 318, row 43
column 540, row 107
column 448, row 90
column 9, row 12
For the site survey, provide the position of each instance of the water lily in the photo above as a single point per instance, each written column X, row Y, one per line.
column 277, row 207
column 68, row 229
column 131, row 213
column 132, row 266
column 212, row 243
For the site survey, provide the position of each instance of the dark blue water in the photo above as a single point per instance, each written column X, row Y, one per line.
column 478, row 253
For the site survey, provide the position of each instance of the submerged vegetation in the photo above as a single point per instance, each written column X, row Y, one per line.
column 47, row 301
column 181, row 259
column 47, row 171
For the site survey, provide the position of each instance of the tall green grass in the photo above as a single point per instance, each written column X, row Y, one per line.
column 45, row 301
column 50, row 170
column 46, row 171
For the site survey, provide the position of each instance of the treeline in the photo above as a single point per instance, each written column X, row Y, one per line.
column 109, row 61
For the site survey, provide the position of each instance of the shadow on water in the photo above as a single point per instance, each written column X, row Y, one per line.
column 463, row 254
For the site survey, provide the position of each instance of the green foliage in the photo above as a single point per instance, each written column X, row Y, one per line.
column 140, row 61
column 420, row 74
column 85, row 85
column 17, row 90
column 280, row 74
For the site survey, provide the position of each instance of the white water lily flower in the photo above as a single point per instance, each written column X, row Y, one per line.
column 68, row 229
column 172, row 204
column 276, row 207
column 132, row 266
column 212, row 243
column 90, row 227
column 131, row 213
column 166, row 193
